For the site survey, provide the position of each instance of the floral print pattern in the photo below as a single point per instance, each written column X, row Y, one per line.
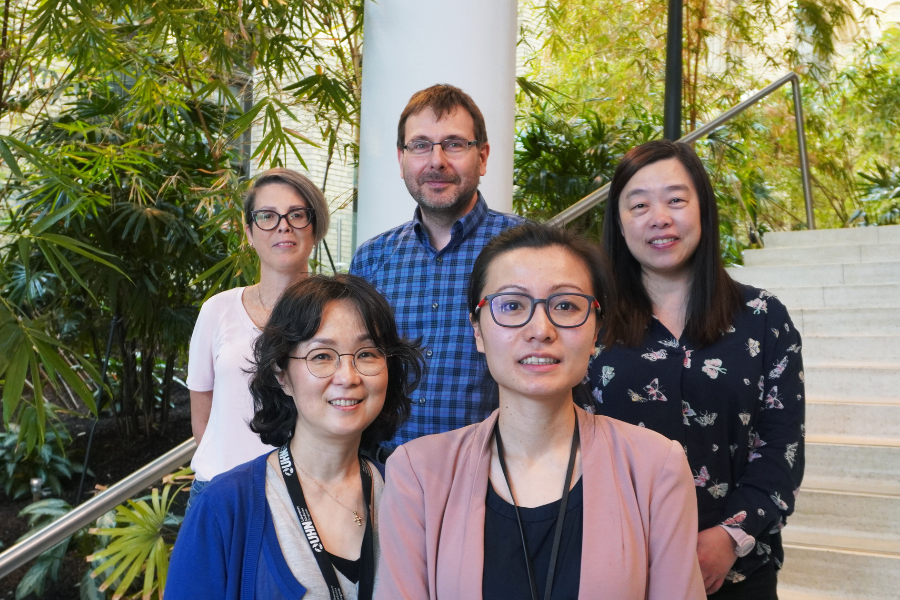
column 747, row 396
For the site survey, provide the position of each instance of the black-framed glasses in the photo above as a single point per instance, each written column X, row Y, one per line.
column 449, row 146
column 516, row 310
column 267, row 220
column 324, row 362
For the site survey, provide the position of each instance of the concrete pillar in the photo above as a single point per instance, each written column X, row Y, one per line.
column 467, row 43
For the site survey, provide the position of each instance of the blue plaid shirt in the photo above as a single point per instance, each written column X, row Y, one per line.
column 427, row 289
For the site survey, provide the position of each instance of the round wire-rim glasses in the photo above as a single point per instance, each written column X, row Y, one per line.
column 324, row 362
column 449, row 146
column 564, row 310
column 267, row 220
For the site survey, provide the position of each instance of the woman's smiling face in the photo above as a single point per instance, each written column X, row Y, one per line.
column 538, row 359
column 660, row 216
column 346, row 402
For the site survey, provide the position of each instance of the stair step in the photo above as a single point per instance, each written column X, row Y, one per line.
column 798, row 535
column 878, row 295
column 821, row 571
column 856, row 419
column 861, row 348
column 775, row 276
column 851, row 486
column 813, row 255
column 790, row 593
column 833, row 237
column 847, row 466
column 834, row 380
column 873, row 517
column 846, row 321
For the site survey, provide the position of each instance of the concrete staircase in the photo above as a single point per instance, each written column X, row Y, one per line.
column 842, row 288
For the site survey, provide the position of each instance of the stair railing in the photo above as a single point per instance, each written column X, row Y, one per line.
column 86, row 513
column 598, row 196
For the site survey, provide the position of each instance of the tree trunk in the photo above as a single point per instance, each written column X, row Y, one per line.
column 129, row 380
column 146, row 378
column 167, row 392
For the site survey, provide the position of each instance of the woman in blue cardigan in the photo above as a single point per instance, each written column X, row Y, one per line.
column 330, row 372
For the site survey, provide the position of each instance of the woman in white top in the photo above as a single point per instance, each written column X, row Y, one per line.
column 285, row 216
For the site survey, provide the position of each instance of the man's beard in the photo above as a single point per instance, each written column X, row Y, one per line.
column 449, row 209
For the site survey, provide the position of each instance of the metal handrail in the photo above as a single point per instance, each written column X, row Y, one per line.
column 82, row 515
column 47, row 537
column 599, row 195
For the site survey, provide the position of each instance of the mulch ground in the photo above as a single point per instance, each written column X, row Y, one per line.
column 113, row 456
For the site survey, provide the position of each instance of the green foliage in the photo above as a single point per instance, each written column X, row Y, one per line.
column 559, row 161
column 46, row 567
column 141, row 541
column 614, row 64
column 882, row 195
column 130, row 148
column 46, row 460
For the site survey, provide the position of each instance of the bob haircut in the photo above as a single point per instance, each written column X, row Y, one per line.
column 296, row 318
column 302, row 185
column 714, row 296
column 442, row 99
column 537, row 236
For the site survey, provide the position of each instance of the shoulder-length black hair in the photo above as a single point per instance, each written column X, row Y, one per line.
column 714, row 297
column 296, row 318
column 537, row 236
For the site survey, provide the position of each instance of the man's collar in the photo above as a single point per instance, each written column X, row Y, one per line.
column 464, row 227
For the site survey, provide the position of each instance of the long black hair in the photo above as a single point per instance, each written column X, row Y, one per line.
column 714, row 297
column 296, row 318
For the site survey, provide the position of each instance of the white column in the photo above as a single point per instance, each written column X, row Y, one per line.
column 467, row 43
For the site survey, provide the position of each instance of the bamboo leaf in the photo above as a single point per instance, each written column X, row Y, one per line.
column 16, row 372
column 9, row 159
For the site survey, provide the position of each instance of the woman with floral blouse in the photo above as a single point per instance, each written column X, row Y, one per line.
column 694, row 355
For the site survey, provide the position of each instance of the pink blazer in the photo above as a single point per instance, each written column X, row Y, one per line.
column 640, row 516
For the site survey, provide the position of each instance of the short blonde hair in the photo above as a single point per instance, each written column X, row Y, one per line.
column 303, row 186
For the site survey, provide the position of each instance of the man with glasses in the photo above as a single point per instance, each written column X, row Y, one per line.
column 423, row 266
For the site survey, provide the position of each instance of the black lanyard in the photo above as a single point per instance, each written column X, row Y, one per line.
column 554, row 553
column 367, row 557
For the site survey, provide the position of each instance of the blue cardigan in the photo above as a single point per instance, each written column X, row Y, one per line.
column 227, row 547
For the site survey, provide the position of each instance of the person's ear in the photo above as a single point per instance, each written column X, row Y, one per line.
column 283, row 380
column 483, row 152
column 476, row 330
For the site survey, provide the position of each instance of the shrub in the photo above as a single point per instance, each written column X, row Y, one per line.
column 47, row 461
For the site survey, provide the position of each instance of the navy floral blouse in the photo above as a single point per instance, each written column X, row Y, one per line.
column 736, row 406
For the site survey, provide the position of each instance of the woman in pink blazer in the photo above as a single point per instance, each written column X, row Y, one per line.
column 542, row 500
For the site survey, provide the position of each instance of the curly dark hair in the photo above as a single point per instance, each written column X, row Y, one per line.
column 296, row 318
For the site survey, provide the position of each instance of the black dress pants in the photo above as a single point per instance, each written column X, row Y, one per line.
column 761, row 585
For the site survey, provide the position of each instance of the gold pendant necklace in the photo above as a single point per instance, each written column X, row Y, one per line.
column 356, row 518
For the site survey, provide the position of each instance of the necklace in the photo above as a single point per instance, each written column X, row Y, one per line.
column 259, row 295
column 356, row 517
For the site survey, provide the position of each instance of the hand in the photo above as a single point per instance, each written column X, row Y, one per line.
column 715, row 551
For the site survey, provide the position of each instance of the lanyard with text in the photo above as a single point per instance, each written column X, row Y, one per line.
column 367, row 556
column 554, row 552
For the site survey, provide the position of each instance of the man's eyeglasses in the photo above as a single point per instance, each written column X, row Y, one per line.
column 516, row 310
column 449, row 146
column 324, row 362
column 267, row 220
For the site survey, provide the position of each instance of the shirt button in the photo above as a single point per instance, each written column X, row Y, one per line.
column 439, row 259
column 428, row 353
column 435, row 305
column 421, row 400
